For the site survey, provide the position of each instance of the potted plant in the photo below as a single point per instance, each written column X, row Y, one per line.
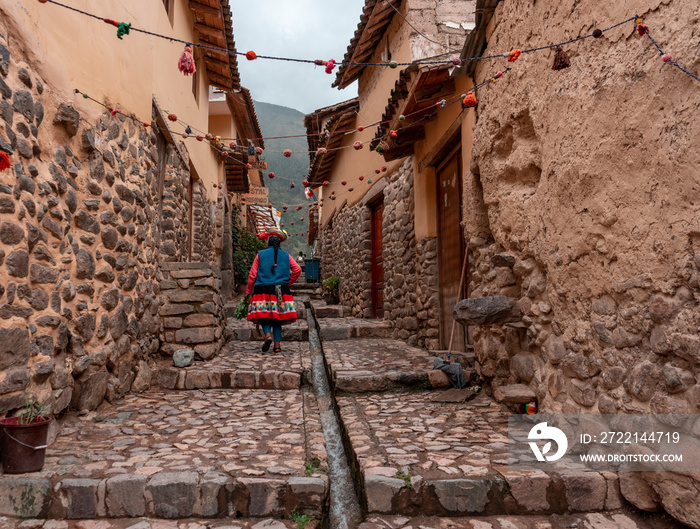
column 330, row 287
column 23, row 439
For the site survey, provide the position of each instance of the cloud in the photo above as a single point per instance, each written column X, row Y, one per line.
column 304, row 29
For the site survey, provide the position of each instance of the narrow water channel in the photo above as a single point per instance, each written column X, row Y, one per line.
column 345, row 511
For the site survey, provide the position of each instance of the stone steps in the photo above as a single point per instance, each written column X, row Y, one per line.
column 620, row 519
column 241, row 365
column 348, row 328
column 154, row 523
column 177, row 455
column 321, row 310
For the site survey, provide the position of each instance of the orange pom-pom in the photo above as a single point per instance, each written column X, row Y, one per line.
column 251, row 55
column 513, row 55
column 287, row 153
column 469, row 100
column 172, row 117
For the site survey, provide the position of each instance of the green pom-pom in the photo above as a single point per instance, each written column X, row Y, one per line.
column 85, row 96
column 369, row 181
column 393, row 64
column 402, row 118
column 123, row 29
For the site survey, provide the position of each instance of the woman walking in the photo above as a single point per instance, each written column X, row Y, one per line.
column 272, row 304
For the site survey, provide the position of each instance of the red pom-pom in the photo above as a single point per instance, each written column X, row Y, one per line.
column 343, row 182
column 291, row 185
column 4, row 161
column 499, row 74
column 393, row 133
column 357, row 145
column 248, row 166
column 185, row 135
column 258, row 151
column 305, row 182
column 271, row 174
column 287, row 153
column 322, row 151
column 667, row 57
column 251, row 55
column 456, row 61
column 377, row 171
column 298, row 207
column 115, row 111
column 642, row 29
column 326, row 182
column 200, row 138
column 172, row 117
column 351, row 189
column 360, row 128
column 232, row 146
column 186, row 63
column 146, row 124
column 470, row 100
column 330, row 64
column 361, row 178
column 209, row 136
column 384, row 169
column 224, row 154
column 513, row 55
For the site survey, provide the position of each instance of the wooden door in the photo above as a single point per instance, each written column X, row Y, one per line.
column 450, row 250
column 377, row 260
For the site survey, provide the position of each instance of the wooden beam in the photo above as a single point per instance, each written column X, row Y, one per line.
column 219, row 79
column 204, row 9
column 209, row 31
column 435, row 91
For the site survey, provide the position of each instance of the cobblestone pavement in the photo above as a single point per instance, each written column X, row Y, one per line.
column 435, row 440
column 376, row 355
column 618, row 520
column 243, row 432
column 149, row 523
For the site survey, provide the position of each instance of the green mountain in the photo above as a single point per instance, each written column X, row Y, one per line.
column 275, row 121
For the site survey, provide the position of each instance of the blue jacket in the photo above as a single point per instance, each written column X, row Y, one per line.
column 281, row 273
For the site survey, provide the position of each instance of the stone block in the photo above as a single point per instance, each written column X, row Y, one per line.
column 173, row 494
column 245, row 380
column 329, row 333
column 613, row 497
column 125, row 495
column 515, row 394
column 438, row 379
column 189, row 274
column 215, row 489
column 174, row 310
column 585, row 491
column 167, row 377
column 172, row 323
column 458, row 496
column 81, row 497
column 14, row 347
column 638, row 492
column 207, row 351
column 190, row 296
column 22, row 497
column 266, row 497
column 183, row 357
column 529, row 489
column 196, row 335
column 200, row 320
column 307, row 493
column 381, row 492
column 289, row 381
column 197, row 380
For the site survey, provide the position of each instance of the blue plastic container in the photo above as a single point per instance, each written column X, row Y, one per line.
column 311, row 272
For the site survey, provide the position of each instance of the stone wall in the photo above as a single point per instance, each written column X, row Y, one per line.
column 192, row 308
column 87, row 210
column 585, row 209
column 347, row 252
column 445, row 21
column 399, row 254
column 204, row 227
column 427, row 301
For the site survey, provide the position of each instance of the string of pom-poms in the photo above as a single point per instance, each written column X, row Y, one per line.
column 124, row 28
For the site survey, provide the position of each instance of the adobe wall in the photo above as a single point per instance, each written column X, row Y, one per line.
column 582, row 203
column 83, row 229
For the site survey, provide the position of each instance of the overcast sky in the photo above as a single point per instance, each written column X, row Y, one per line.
column 304, row 29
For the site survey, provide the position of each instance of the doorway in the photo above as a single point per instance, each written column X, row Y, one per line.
column 450, row 250
column 377, row 217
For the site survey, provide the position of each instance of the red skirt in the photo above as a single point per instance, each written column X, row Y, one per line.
column 272, row 302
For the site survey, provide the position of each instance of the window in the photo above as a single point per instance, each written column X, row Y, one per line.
column 195, row 78
column 169, row 9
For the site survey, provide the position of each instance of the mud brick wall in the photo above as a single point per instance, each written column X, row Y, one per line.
column 192, row 308
column 88, row 208
column 599, row 241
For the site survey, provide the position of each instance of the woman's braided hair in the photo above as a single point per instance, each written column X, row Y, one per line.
column 274, row 241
